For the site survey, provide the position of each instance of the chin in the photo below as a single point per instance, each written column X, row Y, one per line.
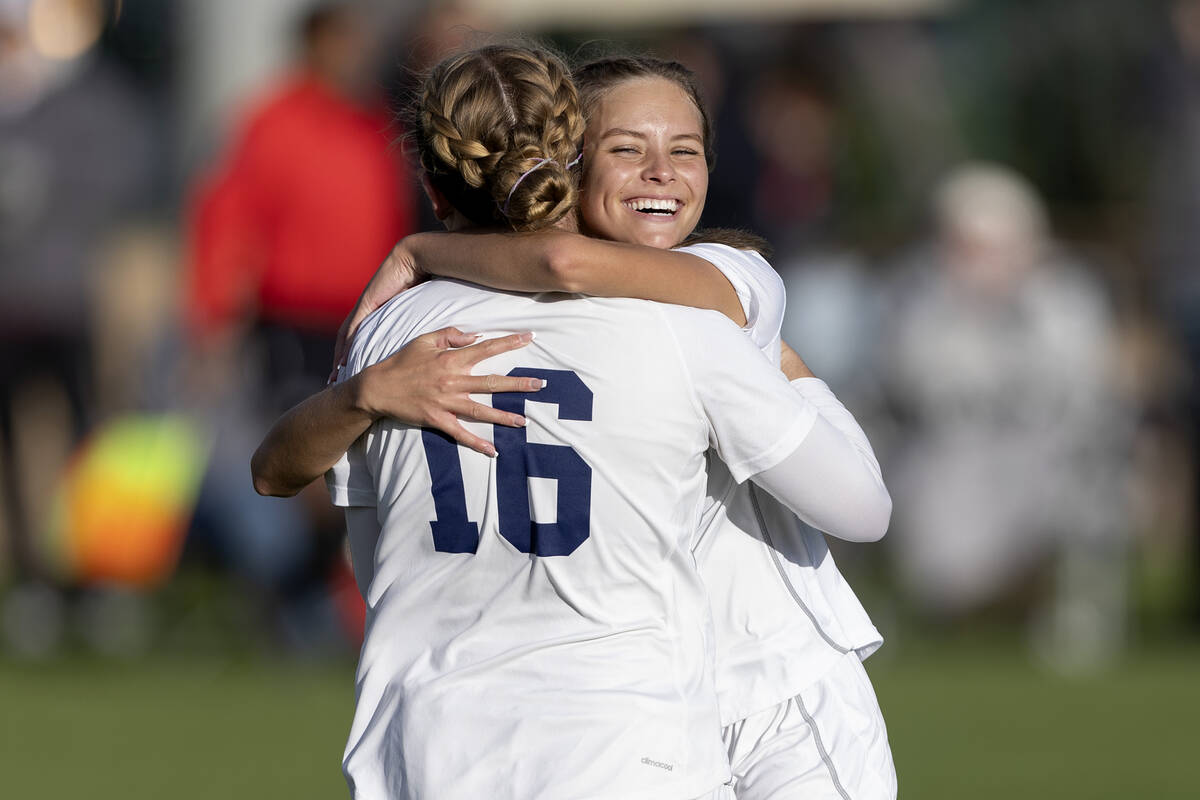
column 663, row 240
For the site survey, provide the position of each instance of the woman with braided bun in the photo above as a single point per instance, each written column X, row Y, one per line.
column 799, row 716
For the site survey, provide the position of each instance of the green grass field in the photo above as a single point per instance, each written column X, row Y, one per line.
column 971, row 721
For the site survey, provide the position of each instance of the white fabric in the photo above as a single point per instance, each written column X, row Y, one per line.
column 783, row 613
column 504, row 675
column 826, row 486
column 829, row 742
column 758, row 287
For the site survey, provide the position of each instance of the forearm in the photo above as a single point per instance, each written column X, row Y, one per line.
column 309, row 439
column 815, row 391
column 511, row 261
column 827, row 483
column 792, row 364
column 560, row 261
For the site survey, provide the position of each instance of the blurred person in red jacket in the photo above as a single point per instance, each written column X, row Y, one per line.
column 284, row 233
column 310, row 195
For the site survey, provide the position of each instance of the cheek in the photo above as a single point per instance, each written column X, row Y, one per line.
column 599, row 194
column 593, row 210
column 699, row 184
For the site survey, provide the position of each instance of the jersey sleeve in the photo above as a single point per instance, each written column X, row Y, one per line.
column 766, row 430
column 350, row 481
column 758, row 287
column 755, row 418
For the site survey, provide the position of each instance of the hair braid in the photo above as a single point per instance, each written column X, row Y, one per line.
column 496, row 128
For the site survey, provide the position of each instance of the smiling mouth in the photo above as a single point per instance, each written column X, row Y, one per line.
column 654, row 206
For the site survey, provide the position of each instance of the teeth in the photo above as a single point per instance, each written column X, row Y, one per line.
column 660, row 205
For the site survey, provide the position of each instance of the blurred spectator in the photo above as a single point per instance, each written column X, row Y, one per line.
column 283, row 236
column 998, row 357
column 833, row 317
column 76, row 151
column 310, row 198
column 791, row 121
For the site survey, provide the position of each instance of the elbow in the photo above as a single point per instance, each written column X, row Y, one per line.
column 878, row 517
column 869, row 521
column 265, row 484
column 265, row 488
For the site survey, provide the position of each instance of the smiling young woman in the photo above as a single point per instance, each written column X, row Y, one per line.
column 646, row 175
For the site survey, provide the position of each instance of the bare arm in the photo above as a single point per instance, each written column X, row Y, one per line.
column 792, row 364
column 570, row 262
column 309, row 439
column 546, row 261
column 426, row 383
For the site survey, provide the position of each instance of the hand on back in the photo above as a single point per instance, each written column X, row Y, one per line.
column 428, row 383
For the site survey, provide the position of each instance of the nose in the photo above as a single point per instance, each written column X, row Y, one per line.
column 659, row 169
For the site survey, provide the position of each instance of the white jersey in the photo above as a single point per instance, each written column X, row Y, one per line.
column 783, row 614
column 536, row 624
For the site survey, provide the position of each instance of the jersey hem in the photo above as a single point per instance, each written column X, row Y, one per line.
column 346, row 497
column 786, row 445
column 692, row 789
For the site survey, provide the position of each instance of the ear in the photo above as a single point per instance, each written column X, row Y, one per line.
column 441, row 206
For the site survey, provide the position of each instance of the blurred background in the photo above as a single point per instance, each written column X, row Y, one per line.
column 987, row 217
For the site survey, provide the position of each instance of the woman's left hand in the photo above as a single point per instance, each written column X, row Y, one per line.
column 429, row 382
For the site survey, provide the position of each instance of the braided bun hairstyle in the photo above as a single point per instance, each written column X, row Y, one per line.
column 485, row 118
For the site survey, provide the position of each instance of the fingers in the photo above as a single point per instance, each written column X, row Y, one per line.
column 354, row 320
column 493, row 384
column 478, row 412
column 458, row 433
column 345, row 335
column 452, row 337
column 491, row 347
column 340, row 346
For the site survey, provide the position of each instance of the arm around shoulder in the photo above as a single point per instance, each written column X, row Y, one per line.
column 309, row 439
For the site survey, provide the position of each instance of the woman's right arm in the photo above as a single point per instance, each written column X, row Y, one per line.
column 547, row 261
column 560, row 261
column 426, row 383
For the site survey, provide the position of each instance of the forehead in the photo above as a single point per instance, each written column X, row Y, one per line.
column 639, row 102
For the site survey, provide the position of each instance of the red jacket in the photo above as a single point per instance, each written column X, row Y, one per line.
column 310, row 200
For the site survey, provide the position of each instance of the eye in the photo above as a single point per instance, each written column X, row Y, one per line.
column 685, row 151
column 624, row 148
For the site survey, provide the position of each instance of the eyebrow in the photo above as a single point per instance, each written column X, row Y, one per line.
column 639, row 135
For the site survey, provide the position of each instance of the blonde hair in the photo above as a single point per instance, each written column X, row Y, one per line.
column 496, row 128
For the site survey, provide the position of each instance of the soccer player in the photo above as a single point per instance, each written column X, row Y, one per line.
column 546, row 635
column 801, row 719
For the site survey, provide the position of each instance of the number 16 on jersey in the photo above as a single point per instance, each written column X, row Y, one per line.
column 517, row 462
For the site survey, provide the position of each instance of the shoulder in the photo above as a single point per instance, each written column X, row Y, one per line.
column 715, row 251
column 745, row 265
column 389, row 327
column 701, row 333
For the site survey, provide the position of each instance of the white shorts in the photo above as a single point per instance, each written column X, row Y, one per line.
column 827, row 743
